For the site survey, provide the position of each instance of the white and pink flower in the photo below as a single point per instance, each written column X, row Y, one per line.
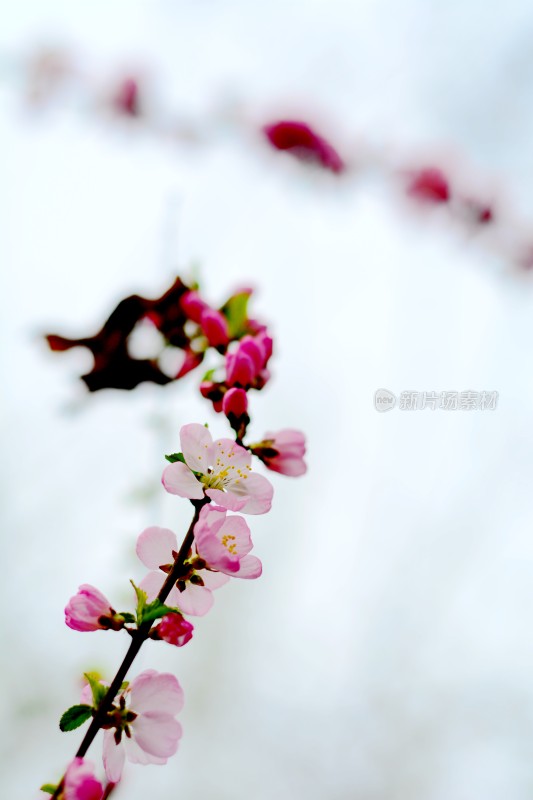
column 156, row 548
column 283, row 452
column 151, row 730
column 221, row 469
column 88, row 610
column 224, row 543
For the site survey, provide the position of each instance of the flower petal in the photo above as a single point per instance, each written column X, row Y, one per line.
column 195, row 443
column 237, row 527
column 135, row 752
column 152, row 583
column 156, row 691
column 227, row 454
column 178, row 479
column 214, row 580
column 216, row 555
column 293, row 467
column 157, row 733
column 195, row 600
column 249, row 567
column 226, row 499
column 114, row 757
column 256, row 490
column 155, row 545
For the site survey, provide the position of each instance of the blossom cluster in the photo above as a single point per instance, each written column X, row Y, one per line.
column 217, row 476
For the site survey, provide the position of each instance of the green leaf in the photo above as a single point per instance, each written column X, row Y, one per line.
column 74, row 717
column 124, row 685
column 142, row 597
column 173, row 457
column 236, row 312
column 97, row 689
column 209, row 374
column 48, row 787
column 126, row 616
column 157, row 609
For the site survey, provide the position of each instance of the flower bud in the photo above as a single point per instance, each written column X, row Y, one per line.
column 235, row 403
column 240, row 370
column 174, row 629
column 193, row 305
column 429, row 185
column 215, row 328
column 80, row 782
column 252, row 348
column 88, row 610
column 265, row 341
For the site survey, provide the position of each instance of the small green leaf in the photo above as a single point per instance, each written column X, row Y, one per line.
column 126, row 616
column 49, row 788
column 124, row 685
column 157, row 609
column 209, row 374
column 173, row 457
column 74, row 717
column 142, row 597
column 236, row 312
column 97, row 689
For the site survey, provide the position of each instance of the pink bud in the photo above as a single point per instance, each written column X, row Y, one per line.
column 303, row 143
column 80, row 782
column 193, row 305
column 265, row 341
column 251, row 347
column 207, row 388
column 127, row 98
column 174, row 629
column 239, row 369
column 88, row 609
column 429, row 185
column 215, row 328
column 235, row 402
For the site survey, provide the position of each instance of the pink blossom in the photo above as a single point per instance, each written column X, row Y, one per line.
column 235, row 403
column 240, row 369
column 252, row 347
column 429, row 185
column 222, row 469
column 152, row 732
column 194, row 593
column 283, row 452
column 88, row 610
column 215, row 328
column 304, row 143
column 80, row 783
column 126, row 100
column 224, row 543
column 174, row 629
column 193, row 305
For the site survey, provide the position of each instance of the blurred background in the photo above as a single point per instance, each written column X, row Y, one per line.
column 386, row 652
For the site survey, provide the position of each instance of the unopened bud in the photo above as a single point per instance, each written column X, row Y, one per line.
column 215, row 328
column 240, row 370
column 235, row 403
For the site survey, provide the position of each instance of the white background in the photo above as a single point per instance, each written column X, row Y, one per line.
column 386, row 652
